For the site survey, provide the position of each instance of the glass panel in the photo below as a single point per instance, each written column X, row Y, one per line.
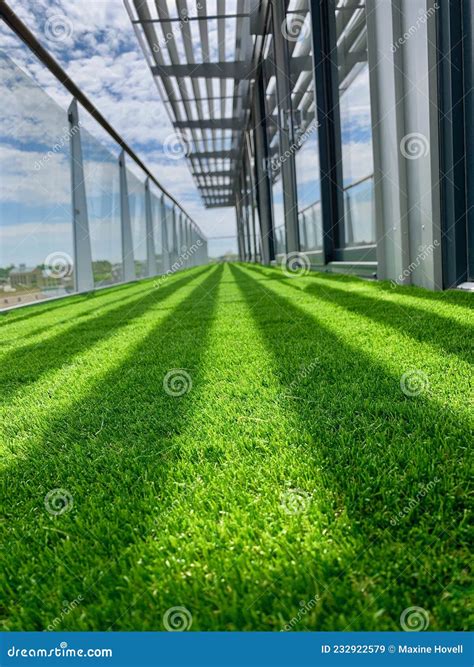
column 157, row 231
column 171, row 233
column 136, row 197
column 36, row 241
column 102, row 179
column 359, row 214
column 356, row 130
column 305, row 128
column 310, row 224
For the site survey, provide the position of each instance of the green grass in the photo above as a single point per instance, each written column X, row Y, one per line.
column 273, row 491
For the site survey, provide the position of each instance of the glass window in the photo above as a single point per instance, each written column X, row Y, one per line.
column 305, row 128
column 277, row 185
column 36, row 240
column 275, row 158
column 356, row 129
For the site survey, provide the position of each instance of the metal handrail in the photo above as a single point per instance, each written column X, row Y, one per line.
column 348, row 187
column 25, row 34
column 359, row 182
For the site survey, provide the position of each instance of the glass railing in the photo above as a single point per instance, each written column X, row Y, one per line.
column 76, row 214
column 359, row 214
column 311, row 227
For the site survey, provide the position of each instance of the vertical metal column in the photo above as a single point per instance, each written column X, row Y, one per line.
column 252, row 192
column 128, row 262
column 189, row 236
column 246, row 211
column 264, row 197
column 150, row 240
column 285, row 125
column 326, row 93
column 405, row 119
column 164, row 236
column 83, row 276
column 184, row 240
column 238, row 215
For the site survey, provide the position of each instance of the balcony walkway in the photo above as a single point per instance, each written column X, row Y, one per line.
column 313, row 468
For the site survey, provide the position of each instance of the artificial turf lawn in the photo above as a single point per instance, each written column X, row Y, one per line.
column 272, row 492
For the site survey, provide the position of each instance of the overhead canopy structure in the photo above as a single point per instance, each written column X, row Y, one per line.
column 201, row 58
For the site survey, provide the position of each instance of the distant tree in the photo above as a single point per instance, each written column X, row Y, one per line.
column 5, row 271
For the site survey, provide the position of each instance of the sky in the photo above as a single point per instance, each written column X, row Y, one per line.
column 95, row 43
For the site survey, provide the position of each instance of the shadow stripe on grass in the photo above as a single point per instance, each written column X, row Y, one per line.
column 113, row 469
column 379, row 449
column 27, row 365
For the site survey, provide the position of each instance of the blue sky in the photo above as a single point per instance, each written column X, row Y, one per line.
column 99, row 50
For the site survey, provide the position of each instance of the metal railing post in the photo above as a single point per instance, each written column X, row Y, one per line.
column 83, row 275
column 164, row 236
column 150, row 241
column 128, row 261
